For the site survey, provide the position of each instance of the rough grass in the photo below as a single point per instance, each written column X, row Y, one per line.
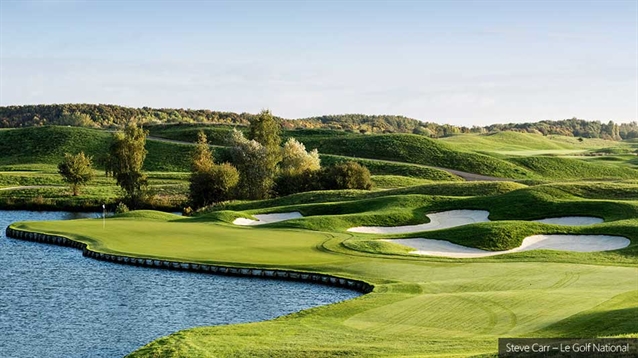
column 520, row 142
column 402, row 154
column 47, row 145
column 44, row 190
column 326, row 196
column 600, row 190
column 395, row 181
column 417, row 150
column 378, row 167
column 218, row 134
column 566, row 168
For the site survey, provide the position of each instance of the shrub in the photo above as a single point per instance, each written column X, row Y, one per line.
column 348, row 175
column 296, row 159
column 213, row 185
column 308, row 180
column 121, row 208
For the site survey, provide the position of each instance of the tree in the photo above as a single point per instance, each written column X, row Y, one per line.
column 257, row 158
column 252, row 160
column 76, row 119
column 266, row 130
column 298, row 169
column 210, row 183
column 296, row 160
column 76, row 170
column 127, row 153
column 213, row 185
column 348, row 175
column 202, row 156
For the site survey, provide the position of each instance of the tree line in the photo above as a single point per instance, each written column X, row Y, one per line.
column 260, row 167
column 112, row 116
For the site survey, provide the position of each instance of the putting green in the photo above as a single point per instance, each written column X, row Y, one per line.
column 420, row 306
column 197, row 242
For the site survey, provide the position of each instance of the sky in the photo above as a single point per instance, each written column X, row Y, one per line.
column 457, row 62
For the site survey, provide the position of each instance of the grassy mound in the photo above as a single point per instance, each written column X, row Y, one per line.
column 331, row 196
column 217, row 134
column 566, row 168
column 148, row 215
column 47, row 145
column 395, row 181
column 515, row 141
column 378, row 167
column 418, row 150
column 599, row 190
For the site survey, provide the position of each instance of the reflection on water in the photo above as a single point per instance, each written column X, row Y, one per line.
column 56, row 303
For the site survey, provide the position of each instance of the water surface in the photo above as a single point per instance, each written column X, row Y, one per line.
column 56, row 303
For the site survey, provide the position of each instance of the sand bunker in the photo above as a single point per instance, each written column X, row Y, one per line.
column 575, row 243
column 267, row 218
column 438, row 221
column 572, row 220
column 454, row 218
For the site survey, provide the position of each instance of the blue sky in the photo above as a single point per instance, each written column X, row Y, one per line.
column 459, row 62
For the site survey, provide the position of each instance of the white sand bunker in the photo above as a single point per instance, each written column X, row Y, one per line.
column 575, row 243
column 438, row 221
column 572, row 220
column 454, row 218
column 267, row 218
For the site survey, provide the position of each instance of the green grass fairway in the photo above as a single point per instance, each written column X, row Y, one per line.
column 420, row 306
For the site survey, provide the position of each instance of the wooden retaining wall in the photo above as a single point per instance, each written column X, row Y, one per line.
column 324, row 279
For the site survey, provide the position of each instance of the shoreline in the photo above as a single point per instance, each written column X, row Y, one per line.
column 17, row 204
column 277, row 274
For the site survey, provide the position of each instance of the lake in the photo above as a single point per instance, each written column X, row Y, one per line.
column 56, row 303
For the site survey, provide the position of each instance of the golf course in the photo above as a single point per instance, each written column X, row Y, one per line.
column 423, row 303
column 318, row 179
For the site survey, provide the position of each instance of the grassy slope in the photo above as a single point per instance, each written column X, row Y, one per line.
column 460, row 152
column 415, row 149
column 377, row 167
column 44, row 190
column 30, row 156
column 397, row 147
column 523, row 142
column 217, row 134
column 529, row 152
column 395, row 181
column 421, row 306
column 47, row 145
column 565, row 168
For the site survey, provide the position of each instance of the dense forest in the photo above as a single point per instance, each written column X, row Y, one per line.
column 112, row 116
